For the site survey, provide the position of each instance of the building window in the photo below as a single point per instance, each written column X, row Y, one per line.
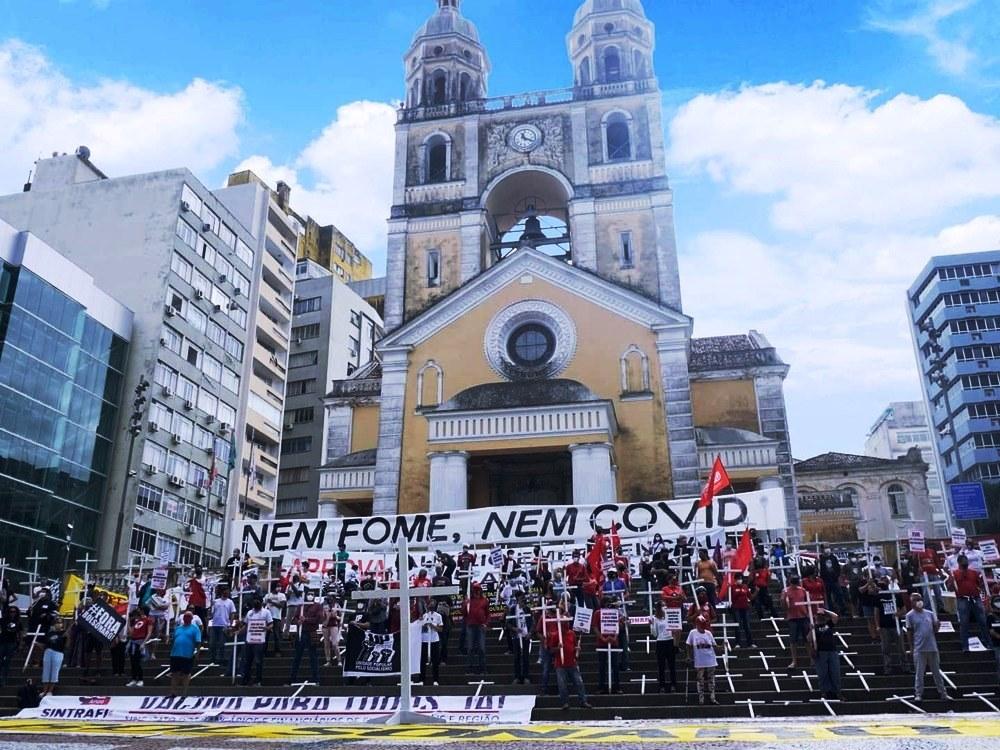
column 143, row 541
column 439, row 87
column 585, row 79
column 897, row 500
column 625, row 245
column 292, row 505
column 187, row 234
column 437, row 159
column 304, row 333
column 192, row 354
column 294, row 475
column 612, row 65
column 301, row 387
column 617, row 136
column 531, row 345
column 303, row 359
column 307, row 305
column 296, row 445
column 175, row 300
column 433, row 268
column 171, row 340
column 181, row 267
column 306, row 414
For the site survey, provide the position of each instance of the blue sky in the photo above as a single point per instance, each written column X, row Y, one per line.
column 803, row 209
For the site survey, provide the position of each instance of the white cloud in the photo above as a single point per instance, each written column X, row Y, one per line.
column 345, row 175
column 834, row 157
column 932, row 21
column 128, row 129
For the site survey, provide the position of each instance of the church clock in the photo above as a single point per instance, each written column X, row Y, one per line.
column 525, row 138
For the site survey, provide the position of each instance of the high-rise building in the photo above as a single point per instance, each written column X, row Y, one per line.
column 334, row 331
column 281, row 230
column 537, row 351
column 191, row 270
column 954, row 309
column 331, row 249
column 63, row 353
column 902, row 426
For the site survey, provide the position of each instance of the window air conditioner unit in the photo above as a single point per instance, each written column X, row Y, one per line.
column 151, row 470
column 298, row 340
column 185, row 206
column 209, row 419
column 288, row 426
column 153, row 427
column 188, row 405
column 202, row 492
column 237, row 292
column 205, row 227
column 217, row 308
column 190, row 529
column 199, row 294
column 220, row 501
column 223, row 277
column 209, row 449
column 176, row 438
column 176, row 481
column 224, row 427
column 167, row 391
column 170, row 312
column 163, row 341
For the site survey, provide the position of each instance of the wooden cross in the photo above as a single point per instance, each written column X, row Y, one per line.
column 34, row 571
column 774, row 678
column 608, row 650
column 983, row 697
column 826, row 702
column 750, row 704
column 649, row 593
column 643, row 680
column 861, row 676
column 405, row 714
column 905, row 699
column 804, row 676
column 86, row 569
column 728, row 677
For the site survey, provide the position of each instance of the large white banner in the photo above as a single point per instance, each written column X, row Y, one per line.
column 482, row 709
column 762, row 510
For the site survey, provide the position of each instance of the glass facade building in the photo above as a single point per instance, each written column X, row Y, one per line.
column 61, row 375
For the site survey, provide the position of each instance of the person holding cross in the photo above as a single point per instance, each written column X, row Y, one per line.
column 967, row 584
column 476, row 611
column 562, row 643
column 666, row 653
column 890, row 634
column 609, row 662
column 707, row 573
column 703, row 652
column 826, row 653
column 921, row 628
column 518, row 623
column 795, row 600
column 431, row 625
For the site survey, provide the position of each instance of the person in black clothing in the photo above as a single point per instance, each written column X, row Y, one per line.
column 829, row 571
column 827, row 654
column 233, row 568
column 442, row 605
column 10, row 640
column 55, row 647
column 682, row 559
column 889, row 628
column 28, row 695
column 447, row 564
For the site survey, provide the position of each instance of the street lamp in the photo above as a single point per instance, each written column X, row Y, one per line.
column 69, row 542
column 134, row 428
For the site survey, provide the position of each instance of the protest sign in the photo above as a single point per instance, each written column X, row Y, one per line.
column 583, row 618
column 675, row 618
column 609, row 621
column 989, row 549
column 958, row 537
column 916, row 540
column 101, row 620
column 256, row 632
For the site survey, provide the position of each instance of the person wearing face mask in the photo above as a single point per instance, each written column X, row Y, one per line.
column 967, row 586
column 921, row 627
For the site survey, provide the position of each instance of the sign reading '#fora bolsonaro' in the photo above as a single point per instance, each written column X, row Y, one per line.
column 762, row 510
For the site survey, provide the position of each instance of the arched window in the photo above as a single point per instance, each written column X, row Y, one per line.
column 585, row 72
column 430, row 385
column 433, row 268
column 639, row 65
column 617, row 136
column 439, row 87
column 612, row 65
column 415, row 94
column 897, row 500
column 634, row 370
column 465, row 88
column 438, row 157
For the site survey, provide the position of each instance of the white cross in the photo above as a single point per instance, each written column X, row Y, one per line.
column 774, row 621
column 728, row 677
column 928, row 586
column 804, row 676
column 643, row 680
column 300, row 686
column 30, row 650
column 826, row 702
column 905, row 699
column 608, row 650
column 982, row 697
column 750, row 704
column 763, row 660
column 774, row 679
column 649, row 593
column 847, row 657
column 34, row 571
column 207, row 666
column 948, row 679
column 861, row 676
column 647, row 640
column 725, row 657
column 780, row 637
column 479, row 687
column 841, row 639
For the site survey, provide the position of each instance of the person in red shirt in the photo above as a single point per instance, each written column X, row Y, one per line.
column 814, row 585
column 673, row 597
column 928, row 562
column 740, row 595
column 761, row 579
column 797, row 614
column 576, row 575
column 701, row 608
column 196, row 595
column 140, row 628
column 565, row 653
column 966, row 584
column 476, row 611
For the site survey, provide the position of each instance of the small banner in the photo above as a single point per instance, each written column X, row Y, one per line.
column 257, row 632
column 76, row 586
column 675, row 619
column 582, row 619
column 370, row 654
column 958, row 537
column 496, row 557
column 609, row 621
column 989, row 549
column 916, row 540
column 101, row 620
column 159, row 580
column 480, row 709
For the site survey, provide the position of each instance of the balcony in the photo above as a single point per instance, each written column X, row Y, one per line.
column 348, row 479
column 740, row 450
column 435, row 192
column 269, row 360
column 621, row 171
column 566, row 420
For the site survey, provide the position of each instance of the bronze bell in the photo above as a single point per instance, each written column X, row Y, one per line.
column 532, row 231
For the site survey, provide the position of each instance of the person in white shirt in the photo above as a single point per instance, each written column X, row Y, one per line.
column 974, row 556
column 295, row 597
column 256, row 623
column 519, row 632
column 158, row 606
column 332, row 620
column 275, row 604
column 702, row 651
column 666, row 654
column 430, row 647
column 223, row 615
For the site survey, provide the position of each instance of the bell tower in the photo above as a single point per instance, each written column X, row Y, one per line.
column 611, row 41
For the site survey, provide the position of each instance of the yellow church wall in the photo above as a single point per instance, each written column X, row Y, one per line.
column 725, row 403
column 602, row 337
column 643, row 273
column 364, row 427
column 418, row 294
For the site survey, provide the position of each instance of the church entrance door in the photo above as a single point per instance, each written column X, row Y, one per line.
column 527, row 479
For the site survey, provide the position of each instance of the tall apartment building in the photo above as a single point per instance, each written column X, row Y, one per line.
column 191, row 270
column 63, row 349
column 902, row 426
column 330, row 248
column 281, row 230
column 954, row 309
column 334, row 331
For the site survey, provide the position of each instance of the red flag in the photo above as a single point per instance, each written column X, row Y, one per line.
column 616, row 542
column 718, row 480
column 739, row 562
column 595, row 556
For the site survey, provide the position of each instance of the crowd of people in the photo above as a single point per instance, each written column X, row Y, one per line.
column 575, row 609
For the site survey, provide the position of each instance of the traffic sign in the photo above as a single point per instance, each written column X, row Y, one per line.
column 968, row 502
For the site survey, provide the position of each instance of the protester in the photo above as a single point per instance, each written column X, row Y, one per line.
column 702, row 650
column 158, row 607
column 10, row 639
column 797, row 613
column 223, row 619
column 928, row 562
column 476, row 611
column 921, row 628
column 518, row 623
column 54, row 643
column 275, row 603
column 341, row 559
column 465, row 562
column 255, row 642
column 295, row 597
column 966, row 583
column 826, row 653
column 608, row 650
column 140, row 630
column 186, row 638
column 311, row 618
column 431, row 626
column 672, row 596
column 331, row 632
column 868, row 597
column 829, row 571
column 890, row 633
column 233, row 566
column 993, row 620
column 196, row 597
column 666, row 654
column 701, row 608
column 28, row 695
column 117, row 651
column 740, row 597
column 562, row 643
column 706, row 572
column 761, row 586
column 854, row 577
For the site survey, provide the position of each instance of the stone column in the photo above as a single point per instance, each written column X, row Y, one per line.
column 666, row 250
column 395, row 274
column 329, row 509
column 390, row 431
column 337, row 432
column 672, row 353
column 471, row 252
column 769, row 483
column 774, row 424
column 583, row 233
column 593, row 478
column 449, row 488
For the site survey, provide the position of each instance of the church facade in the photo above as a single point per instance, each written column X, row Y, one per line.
column 537, row 351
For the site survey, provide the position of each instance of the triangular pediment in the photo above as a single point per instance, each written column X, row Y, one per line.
column 528, row 261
